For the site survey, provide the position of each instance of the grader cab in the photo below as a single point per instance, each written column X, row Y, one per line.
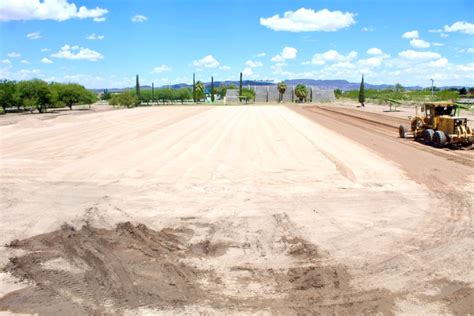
column 439, row 126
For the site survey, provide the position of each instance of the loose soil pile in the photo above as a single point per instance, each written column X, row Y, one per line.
column 94, row 270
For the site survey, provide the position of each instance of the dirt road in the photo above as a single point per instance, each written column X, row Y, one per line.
column 229, row 210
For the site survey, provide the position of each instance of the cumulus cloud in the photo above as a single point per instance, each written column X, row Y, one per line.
column 225, row 68
column 367, row 29
column 411, row 34
column 14, row 55
column 308, row 20
column 139, row 18
column 415, row 55
column 460, row 26
column 419, row 43
column 45, row 49
column 332, row 56
column 438, row 44
column 442, row 62
column 443, row 35
column 6, row 61
column 286, row 53
column 34, row 35
column 253, row 64
column 46, row 60
column 262, row 54
column 207, row 62
column 247, row 71
column 94, row 37
column 78, row 53
column 374, row 51
column 24, row 61
column 58, row 10
column 470, row 50
column 160, row 69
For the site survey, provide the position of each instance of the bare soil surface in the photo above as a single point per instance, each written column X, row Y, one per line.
column 258, row 209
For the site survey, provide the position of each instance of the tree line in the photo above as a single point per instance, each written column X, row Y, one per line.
column 39, row 95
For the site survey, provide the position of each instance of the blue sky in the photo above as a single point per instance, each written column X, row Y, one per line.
column 105, row 43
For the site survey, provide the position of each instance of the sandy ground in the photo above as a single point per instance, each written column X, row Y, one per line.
column 229, row 210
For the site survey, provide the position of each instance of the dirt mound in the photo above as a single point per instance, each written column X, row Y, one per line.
column 130, row 266
column 95, row 271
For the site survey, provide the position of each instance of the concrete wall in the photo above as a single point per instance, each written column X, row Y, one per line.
column 270, row 94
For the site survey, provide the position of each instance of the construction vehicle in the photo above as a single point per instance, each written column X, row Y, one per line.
column 439, row 126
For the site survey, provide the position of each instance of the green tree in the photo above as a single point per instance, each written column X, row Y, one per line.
column 463, row 91
column 200, row 91
column 338, row 93
column 248, row 94
column 194, row 87
column 8, row 94
column 362, row 92
column 88, row 97
column 281, row 86
column 240, row 85
column 106, row 95
column 212, row 88
column 68, row 94
column 127, row 99
column 301, row 92
column 137, row 87
column 36, row 94
column 398, row 88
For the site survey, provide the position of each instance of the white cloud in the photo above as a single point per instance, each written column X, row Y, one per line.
column 139, row 18
column 94, row 36
column 34, row 35
column 437, row 44
column 225, row 68
column 419, row 43
column 78, row 53
column 14, row 55
column 466, row 68
column 46, row 60
column 443, row 35
column 262, row 54
column 374, row 51
column 253, row 64
column 207, row 62
column 470, row 50
column 308, row 20
column 414, row 55
column 101, row 19
column 460, row 26
column 45, row 49
column 247, row 71
column 24, row 61
column 59, row 10
column 332, row 56
column 367, row 29
column 160, row 69
column 442, row 62
column 286, row 53
column 435, row 31
column 6, row 62
column 411, row 34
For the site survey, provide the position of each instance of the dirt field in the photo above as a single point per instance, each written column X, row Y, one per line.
column 258, row 209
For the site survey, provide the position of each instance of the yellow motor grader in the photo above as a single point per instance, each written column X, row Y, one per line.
column 439, row 126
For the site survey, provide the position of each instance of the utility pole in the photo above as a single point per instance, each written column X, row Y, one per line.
column 432, row 87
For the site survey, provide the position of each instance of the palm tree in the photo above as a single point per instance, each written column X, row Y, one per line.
column 301, row 92
column 200, row 89
column 281, row 88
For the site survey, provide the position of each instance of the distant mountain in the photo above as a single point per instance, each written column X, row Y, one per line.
column 322, row 84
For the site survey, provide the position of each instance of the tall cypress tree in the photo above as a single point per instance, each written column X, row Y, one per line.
column 194, row 87
column 212, row 88
column 137, row 87
column 362, row 92
column 240, row 85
